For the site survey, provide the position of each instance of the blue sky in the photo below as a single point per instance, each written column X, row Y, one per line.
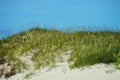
column 18, row 15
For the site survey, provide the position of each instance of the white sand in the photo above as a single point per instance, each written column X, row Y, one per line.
column 62, row 72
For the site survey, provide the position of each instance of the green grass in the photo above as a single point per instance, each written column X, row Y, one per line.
column 95, row 48
column 87, row 48
column 27, row 76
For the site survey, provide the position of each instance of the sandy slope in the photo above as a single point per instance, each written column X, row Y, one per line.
column 62, row 72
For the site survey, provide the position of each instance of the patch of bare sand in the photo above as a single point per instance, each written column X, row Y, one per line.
column 95, row 72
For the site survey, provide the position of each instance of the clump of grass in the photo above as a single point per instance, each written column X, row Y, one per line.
column 96, row 48
column 27, row 76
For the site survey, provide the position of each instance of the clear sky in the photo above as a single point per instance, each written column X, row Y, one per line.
column 17, row 15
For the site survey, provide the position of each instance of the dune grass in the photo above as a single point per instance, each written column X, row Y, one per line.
column 93, row 48
column 87, row 48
